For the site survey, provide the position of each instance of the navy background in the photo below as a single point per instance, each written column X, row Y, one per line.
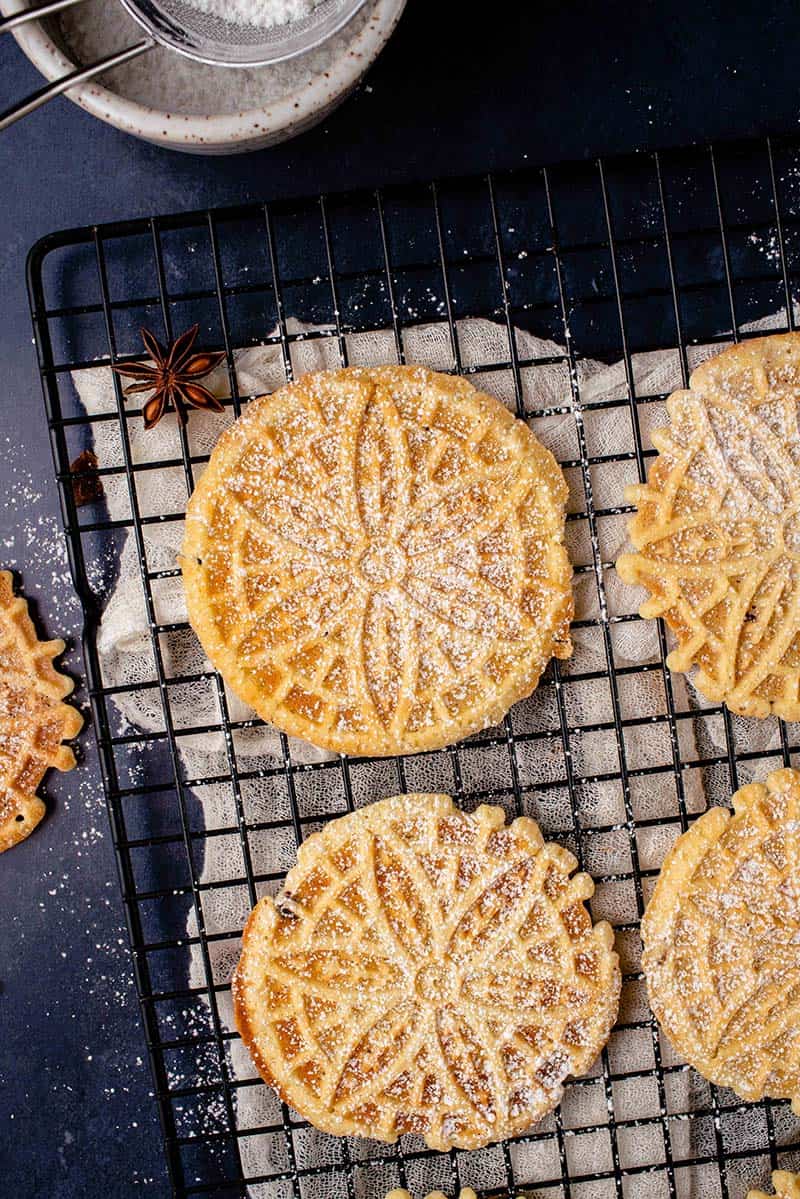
column 452, row 93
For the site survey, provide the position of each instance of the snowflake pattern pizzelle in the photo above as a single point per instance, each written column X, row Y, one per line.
column 721, row 939
column 374, row 559
column 426, row 971
column 718, row 528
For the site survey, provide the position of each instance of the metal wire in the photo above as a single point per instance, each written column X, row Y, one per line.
column 608, row 259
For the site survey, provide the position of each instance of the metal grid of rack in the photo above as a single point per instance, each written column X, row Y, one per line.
column 608, row 260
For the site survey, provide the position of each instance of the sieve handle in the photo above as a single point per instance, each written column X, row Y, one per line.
column 33, row 14
column 80, row 75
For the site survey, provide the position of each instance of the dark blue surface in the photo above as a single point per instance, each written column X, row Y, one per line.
column 450, row 94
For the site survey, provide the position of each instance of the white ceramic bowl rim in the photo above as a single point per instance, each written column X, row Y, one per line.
column 171, row 129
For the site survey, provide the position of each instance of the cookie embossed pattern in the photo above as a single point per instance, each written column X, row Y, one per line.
column 718, row 527
column 425, row 971
column 721, row 937
column 375, row 561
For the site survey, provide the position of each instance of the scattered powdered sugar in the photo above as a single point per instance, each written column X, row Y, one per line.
column 71, row 897
column 769, row 245
column 38, row 545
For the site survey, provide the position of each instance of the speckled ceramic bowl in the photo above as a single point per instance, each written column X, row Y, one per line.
column 292, row 101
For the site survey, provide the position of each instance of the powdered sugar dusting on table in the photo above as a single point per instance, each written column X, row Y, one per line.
column 38, row 541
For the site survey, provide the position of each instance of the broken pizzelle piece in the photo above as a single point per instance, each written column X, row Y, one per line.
column 374, row 560
column 33, row 720
column 717, row 531
column 720, row 938
column 435, row 973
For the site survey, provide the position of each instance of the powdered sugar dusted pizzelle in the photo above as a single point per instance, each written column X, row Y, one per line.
column 721, row 939
column 33, row 720
column 374, row 559
column 785, row 1186
column 718, row 527
column 426, row 971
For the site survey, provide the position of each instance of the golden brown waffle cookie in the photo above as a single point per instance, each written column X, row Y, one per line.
column 721, row 936
column 464, row 1193
column 426, row 971
column 785, row 1186
column 33, row 721
column 374, row 559
column 718, row 531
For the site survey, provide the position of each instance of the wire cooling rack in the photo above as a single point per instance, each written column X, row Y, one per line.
column 611, row 261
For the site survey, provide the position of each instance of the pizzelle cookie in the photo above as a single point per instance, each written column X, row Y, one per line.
column 717, row 529
column 374, row 559
column 785, row 1186
column 425, row 971
column 464, row 1193
column 33, row 720
column 721, row 939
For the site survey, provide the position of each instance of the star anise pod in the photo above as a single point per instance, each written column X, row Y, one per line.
column 172, row 377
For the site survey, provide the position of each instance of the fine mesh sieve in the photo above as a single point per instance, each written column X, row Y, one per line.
column 208, row 38
column 203, row 36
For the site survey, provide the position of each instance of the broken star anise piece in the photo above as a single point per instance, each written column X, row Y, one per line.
column 87, row 487
column 172, row 377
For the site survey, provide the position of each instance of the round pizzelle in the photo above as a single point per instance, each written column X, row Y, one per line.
column 426, row 971
column 721, row 939
column 785, row 1186
column 718, row 531
column 33, row 720
column 374, row 559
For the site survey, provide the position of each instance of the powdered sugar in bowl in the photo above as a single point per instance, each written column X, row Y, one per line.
column 243, row 32
column 262, row 13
